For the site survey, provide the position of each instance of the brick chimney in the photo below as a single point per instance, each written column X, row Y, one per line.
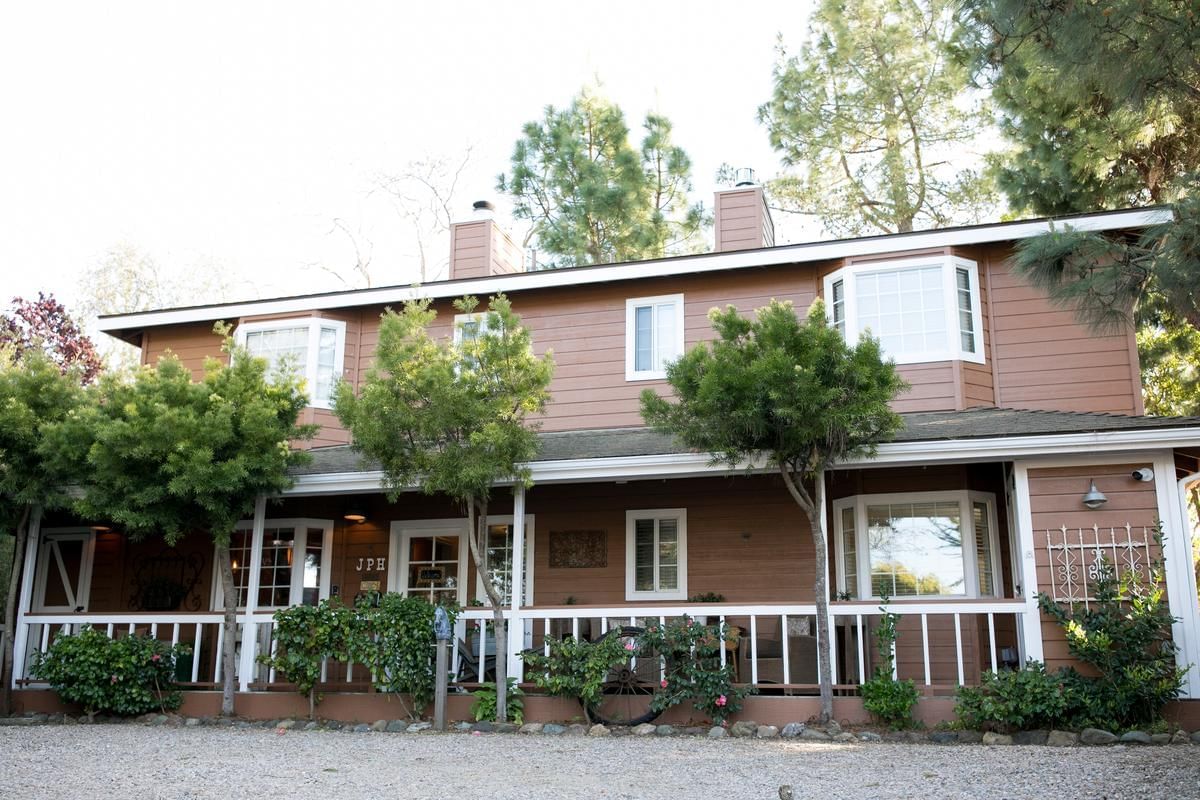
column 479, row 247
column 743, row 221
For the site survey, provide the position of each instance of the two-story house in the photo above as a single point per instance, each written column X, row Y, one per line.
column 1025, row 456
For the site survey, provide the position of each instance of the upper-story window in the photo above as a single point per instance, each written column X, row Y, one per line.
column 653, row 335
column 315, row 348
column 928, row 544
column 921, row 309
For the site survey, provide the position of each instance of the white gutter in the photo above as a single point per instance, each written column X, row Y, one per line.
column 682, row 465
column 712, row 262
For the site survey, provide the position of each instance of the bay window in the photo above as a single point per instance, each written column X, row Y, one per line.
column 921, row 310
column 656, row 554
column 314, row 347
column 922, row 545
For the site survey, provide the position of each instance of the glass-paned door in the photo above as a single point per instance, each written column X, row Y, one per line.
column 432, row 564
column 64, row 571
column 500, row 561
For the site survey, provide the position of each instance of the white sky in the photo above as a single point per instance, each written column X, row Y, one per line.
column 235, row 133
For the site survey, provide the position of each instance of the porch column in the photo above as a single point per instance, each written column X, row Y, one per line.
column 25, row 598
column 1029, row 623
column 1181, row 584
column 516, row 626
column 246, row 667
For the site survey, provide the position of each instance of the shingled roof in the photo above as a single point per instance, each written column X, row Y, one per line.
column 977, row 423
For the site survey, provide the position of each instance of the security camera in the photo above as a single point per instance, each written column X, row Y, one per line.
column 1145, row 474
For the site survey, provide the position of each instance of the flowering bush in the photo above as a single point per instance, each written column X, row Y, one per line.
column 126, row 676
column 576, row 667
column 304, row 637
column 692, row 667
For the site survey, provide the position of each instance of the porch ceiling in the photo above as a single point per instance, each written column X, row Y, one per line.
column 977, row 423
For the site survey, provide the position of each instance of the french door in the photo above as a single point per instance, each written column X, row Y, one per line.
column 432, row 555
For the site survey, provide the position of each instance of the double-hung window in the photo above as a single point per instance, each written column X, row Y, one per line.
column 921, row 310
column 314, row 348
column 656, row 554
column 929, row 544
column 653, row 335
column 293, row 564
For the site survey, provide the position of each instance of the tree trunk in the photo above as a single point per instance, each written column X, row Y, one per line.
column 478, row 547
column 229, row 645
column 21, row 536
column 820, row 583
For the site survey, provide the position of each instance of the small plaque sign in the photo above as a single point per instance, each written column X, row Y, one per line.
column 431, row 574
column 369, row 586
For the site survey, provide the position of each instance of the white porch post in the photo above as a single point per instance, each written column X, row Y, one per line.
column 1029, row 623
column 1181, row 584
column 25, row 598
column 516, row 626
column 246, row 667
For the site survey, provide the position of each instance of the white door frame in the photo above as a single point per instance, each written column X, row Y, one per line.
column 402, row 531
column 83, row 588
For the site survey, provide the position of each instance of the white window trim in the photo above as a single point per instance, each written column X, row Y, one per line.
column 507, row 519
column 461, row 319
column 953, row 350
column 631, row 306
column 87, row 560
column 403, row 530
column 630, row 572
column 296, row 592
column 965, row 499
column 309, row 369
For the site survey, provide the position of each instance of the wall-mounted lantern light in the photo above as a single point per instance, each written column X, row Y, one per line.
column 1094, row 497
column 355, row 514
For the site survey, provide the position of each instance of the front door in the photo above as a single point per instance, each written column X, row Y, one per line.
column 433, row 560
column 64, row 571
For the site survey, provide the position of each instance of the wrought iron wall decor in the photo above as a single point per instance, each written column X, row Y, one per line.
column 580, row 549
column 166, row 581
column 1078, row 556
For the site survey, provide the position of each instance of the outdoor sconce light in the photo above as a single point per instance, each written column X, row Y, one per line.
column 1094, row 497
column 100, row 527
column 355, row 514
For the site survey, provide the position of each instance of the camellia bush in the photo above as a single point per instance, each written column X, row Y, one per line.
column 126, row 676
column 692, row 669
column 304, row 637
column 575, row 668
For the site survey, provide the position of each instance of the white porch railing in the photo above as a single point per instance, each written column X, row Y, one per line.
column 941, row 643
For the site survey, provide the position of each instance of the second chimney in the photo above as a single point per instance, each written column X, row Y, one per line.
column 479, row 247
column 742, row 220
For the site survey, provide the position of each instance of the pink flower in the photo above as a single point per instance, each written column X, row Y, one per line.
column 664, row 683
column 114, row 678
column 721, row 701
column 156, row 657
column 629, row 646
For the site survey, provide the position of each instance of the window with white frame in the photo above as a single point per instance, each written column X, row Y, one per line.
column 923, row 309
column 500, row 560
column 293, row 565
column 653, row 335
column 315, row 348
column 656, row 554
column 917, row 545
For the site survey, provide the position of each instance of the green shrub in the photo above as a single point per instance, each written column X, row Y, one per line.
column 575, row 668
column 484, row 707
column 889, row 700
column 304, row 637
column 393, row 636
column 1015, row 700
column 126, row 676
column 1125, row 634
column 692, row 667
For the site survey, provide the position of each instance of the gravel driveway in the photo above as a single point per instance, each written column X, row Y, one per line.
column 132, row 761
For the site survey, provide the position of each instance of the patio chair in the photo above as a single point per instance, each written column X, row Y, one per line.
column 468, row 664
column 802, row 657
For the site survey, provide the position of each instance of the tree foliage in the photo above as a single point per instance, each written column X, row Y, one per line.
column 872, row 116
column 45, row 325
column 167, row 455
column 453, row 418
column 592, row 196
column 36, row 398
column 789, row 392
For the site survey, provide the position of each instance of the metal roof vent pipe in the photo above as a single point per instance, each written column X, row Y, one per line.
column 744, row 176
column 483, row 209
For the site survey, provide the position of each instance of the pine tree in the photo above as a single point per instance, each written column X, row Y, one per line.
column 591, row 196
column 872, row 117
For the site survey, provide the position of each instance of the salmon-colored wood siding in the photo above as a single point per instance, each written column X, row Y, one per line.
column 1054, row 499
column 191, row 344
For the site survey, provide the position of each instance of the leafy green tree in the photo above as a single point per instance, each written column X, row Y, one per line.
column 453, row 418
column 35, row 396
column 595, row 198
column 167, row 455
column 873, row 115
column 788, row 392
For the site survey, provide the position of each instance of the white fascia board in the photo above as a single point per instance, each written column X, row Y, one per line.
column 684, row 465
column 711, row 262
